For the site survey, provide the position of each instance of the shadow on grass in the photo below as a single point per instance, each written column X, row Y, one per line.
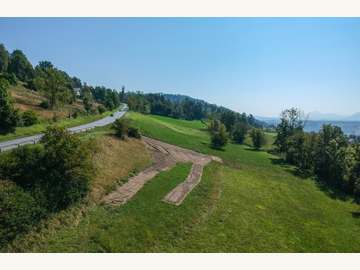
column 290, row 168
column 216, row 148
column 254, row 149
column 332, row 191
column 355, row 214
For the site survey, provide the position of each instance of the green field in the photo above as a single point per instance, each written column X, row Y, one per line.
column 251, row 203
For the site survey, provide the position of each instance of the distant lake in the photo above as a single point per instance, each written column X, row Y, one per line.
column 349, row 128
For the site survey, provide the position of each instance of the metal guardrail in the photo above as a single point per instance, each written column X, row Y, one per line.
column 12, row 144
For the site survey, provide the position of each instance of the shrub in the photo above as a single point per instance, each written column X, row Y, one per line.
column 57, row 173
column 121, row 127
column 45, row 104
column 18, row 211
column 134, row 132
column 76, row 113
column 9, row 77
column 29, row 118
column 219, row 138
column 257, row 137
column 55, row 118
column 22, row 165
column 101, row 109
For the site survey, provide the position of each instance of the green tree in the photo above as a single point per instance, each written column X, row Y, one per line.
column 87, row 98
column 229, row 119
column 4, row 59
column 330, row 155
column 9, row 116
column 67, row 168
column 219, row 138
column 53, row 83
column 291, row 122
column 122, row 94
column 258, row 138
column 239, row 132
column 354, row 175
column 20, row 66
column 301, row 151
column 214, row 125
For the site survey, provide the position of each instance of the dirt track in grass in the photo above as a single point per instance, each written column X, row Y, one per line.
column 165, row 156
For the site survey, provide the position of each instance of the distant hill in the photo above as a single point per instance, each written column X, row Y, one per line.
column 354, row 117
column 318, row 116
column 180, row 98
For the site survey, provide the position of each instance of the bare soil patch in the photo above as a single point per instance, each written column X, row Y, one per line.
column 165, row 156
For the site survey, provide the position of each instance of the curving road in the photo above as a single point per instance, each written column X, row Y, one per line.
column 7, row 145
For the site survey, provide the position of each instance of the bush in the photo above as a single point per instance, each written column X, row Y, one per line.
column 45, row 104
column 22, row 165
column 29, row 118
column 219, row 138
column 57, row 173
column 67, row 168
column 257, row 137
column 55, row 118
column 76, row 113
column 101, row 109
column 18, row 211
column 134, row 132
column 121, row 127
column 9, row 77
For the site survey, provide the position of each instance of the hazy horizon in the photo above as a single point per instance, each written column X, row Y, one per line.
column 254, row 65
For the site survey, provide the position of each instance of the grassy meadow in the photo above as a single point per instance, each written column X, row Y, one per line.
column 251, row 203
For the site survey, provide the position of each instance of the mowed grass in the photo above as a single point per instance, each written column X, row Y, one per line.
column 251, row 203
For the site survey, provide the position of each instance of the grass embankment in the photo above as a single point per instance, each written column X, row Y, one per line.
column 25, row 99
column 252, row 203
column 115, row 161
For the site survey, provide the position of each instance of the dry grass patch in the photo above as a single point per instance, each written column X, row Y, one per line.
column 26, row 99
column 115, row 161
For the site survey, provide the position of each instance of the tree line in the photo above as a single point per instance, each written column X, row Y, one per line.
column 56, row 85
column 329, row 155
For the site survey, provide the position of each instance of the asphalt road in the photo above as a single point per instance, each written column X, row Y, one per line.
column 7, row 145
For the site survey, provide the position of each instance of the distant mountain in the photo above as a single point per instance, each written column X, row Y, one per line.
column 354, row 117
column 318, row 116
column 272, row 121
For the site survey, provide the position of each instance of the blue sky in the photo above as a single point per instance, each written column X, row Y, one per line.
column 258, row 66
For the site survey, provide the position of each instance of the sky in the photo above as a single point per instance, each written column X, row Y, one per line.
column 253, row 65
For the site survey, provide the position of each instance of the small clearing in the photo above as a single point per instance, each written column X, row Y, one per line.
column 165, row 156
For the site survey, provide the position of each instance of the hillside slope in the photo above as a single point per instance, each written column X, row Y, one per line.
column 68, row 115
column 26, row 99
column 252, row 203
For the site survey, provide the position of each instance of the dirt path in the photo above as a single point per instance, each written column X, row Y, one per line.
column 165, row 156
